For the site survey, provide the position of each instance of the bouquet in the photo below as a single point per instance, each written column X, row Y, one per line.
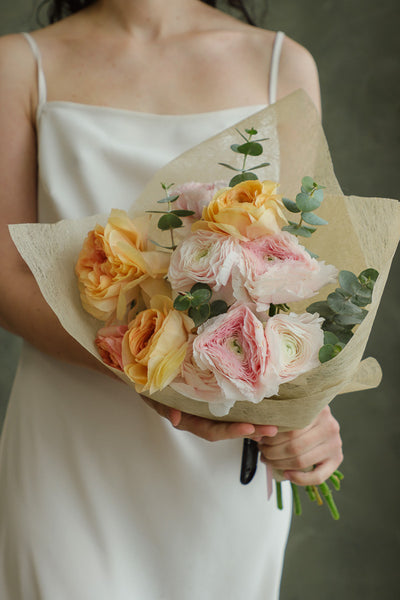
column 216, row 339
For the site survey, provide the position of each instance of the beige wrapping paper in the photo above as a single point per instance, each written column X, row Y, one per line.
column 362, row 233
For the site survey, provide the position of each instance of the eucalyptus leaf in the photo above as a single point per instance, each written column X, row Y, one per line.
column 199, row 314
column 168, row 199
column 200, row 296
column 230, row 167
column 312, row 254
column 312, row 219
column 307, row 203
column 326, row 353
column 250, row 149
column 345, row 320
column 218, row 307
column 349, row 282
column 251, row 131
column 182, row 213
column 169, row 221
column 322, row 308
column 200, row 286
column 182, row 302
column 342, row 305
column 242, row 177
column 258, row 167
column 290, row 205
column 308, row 183
column 368, row 277
column 304, row 231
column 318, row 195
column 330, row 338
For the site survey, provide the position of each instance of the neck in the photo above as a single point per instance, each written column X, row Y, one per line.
column 146, row 19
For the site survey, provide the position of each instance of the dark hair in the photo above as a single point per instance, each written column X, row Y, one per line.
column 58, row 9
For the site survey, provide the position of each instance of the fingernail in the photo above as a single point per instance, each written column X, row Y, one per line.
column 248, row 430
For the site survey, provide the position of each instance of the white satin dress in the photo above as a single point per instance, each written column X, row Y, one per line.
column 100, row 498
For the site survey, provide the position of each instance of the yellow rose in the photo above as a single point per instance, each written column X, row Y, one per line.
column 113, row 262
column 249, row 210
column 155, row 345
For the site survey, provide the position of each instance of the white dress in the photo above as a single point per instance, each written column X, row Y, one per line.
column 100, row 498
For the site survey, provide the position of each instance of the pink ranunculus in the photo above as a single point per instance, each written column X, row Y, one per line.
column 205, row 257
column 278, row 269
column 195, row 195
column 199, row 384
column 294, row 342
column 233, row 346
column 109, row 345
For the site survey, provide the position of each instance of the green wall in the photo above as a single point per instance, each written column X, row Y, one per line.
column 356, row 45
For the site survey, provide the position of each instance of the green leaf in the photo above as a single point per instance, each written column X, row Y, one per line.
column 199, row 314
column 368, row 277
column 322, row 308
column 363, row 298
column 307, row 183
column 258, row 167
column 312, row 254
column 218, row 307
column 200, row 286
column 250, row 149
column 318, row 195
column 182, row 302
column 290, row 205
column 330, row 338
column 168, row 199
column 312, row 219
column 251, row 131
column 349, row 282
column 169, row 221
column 235, row 147
column 182, row 213
column 344, row 334
column 341, row 304
column 242, row 177
column 326, row 353
column 306, row 203
column 241, row 135
column 200, row 296
column 345, row 320
column 230, row 167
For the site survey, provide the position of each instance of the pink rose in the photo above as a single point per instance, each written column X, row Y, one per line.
column 294, row 342
column 278, row 269
column 195, row 196
column 109, row 345
column 206, row 257
column 233, row 346
column 196, row 383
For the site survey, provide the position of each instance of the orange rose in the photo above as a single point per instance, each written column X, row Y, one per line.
column 249, row 210
column 112, row 262
column 155, row 345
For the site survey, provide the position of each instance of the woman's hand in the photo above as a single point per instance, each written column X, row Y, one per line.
column 209, row 430
column 317, row 448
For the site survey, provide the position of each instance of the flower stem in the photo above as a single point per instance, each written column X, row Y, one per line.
column 279, row 495
column 327, row 494
column 296, row 499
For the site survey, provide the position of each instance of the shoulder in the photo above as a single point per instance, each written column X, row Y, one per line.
column 297, row 69
column 18, row 74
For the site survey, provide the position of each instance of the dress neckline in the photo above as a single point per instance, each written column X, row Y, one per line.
column 148, row 115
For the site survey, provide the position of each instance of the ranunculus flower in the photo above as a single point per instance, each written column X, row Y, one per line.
column 109, row 345
column 113, row 261
column 155, row 345
column 196, row 383
column 247, row 211
column 205, row 257
column 233, row 346
column 278, row 269
column 294, row 342
column 195, row 195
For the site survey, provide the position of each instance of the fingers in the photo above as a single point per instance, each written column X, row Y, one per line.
column 208, row 429
column 317, row 447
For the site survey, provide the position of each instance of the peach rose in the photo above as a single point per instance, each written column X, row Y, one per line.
column 109, row 344
column 249, row 210
column 155, row 345
column 112, row 262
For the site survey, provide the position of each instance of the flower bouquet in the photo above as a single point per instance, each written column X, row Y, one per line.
column 196, row 315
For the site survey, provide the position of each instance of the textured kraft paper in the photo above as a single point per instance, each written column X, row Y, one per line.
column 362, row 233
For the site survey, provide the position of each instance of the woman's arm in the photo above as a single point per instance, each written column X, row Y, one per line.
column 23, row 310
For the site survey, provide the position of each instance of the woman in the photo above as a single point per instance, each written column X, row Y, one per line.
column 99, row 496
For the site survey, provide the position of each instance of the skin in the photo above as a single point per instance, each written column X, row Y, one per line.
column 175, row 57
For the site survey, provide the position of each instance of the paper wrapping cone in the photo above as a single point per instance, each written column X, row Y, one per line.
column 362, row 233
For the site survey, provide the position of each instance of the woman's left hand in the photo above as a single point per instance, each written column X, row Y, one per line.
column 317, row 449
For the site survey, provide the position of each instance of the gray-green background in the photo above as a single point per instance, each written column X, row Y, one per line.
column 356, row 45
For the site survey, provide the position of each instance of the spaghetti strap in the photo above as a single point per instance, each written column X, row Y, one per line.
column 274, row 68
column 42, row 92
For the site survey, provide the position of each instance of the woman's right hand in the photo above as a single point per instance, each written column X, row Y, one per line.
column 207, row 429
